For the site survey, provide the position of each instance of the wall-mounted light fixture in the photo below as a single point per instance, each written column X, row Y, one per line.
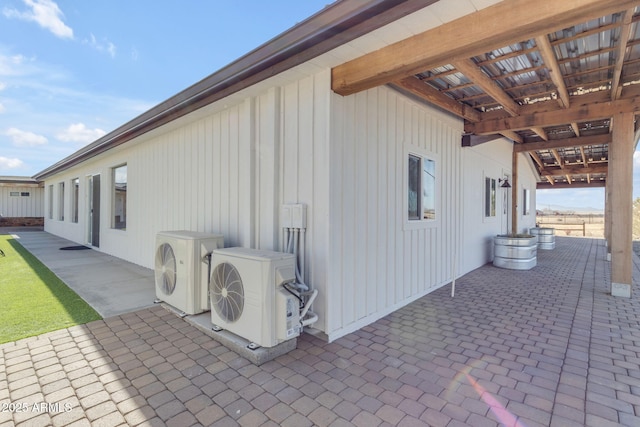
column 505, row 183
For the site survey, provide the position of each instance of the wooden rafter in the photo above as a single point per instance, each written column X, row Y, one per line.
column 557, row 157
column 549, row 58
column 512, row 136
column 538, row 130
column 490, row 87
column 585, row 162
column 587, row 33
column 434, row 96
column 537, row 159
column 625, row 34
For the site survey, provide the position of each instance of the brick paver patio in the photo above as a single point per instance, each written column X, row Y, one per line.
column 545, row 347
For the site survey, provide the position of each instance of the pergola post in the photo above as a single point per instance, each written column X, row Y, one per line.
column 607, row 219
column 514, row 192
column 620, row 203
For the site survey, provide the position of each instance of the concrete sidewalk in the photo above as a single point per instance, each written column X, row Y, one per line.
column 545, row 347
column 110, row 285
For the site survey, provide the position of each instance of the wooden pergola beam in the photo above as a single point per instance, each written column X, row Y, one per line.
column 467, row 37
column 564, row 143
column 575, row 113
column 573, row 185
column 575, row 170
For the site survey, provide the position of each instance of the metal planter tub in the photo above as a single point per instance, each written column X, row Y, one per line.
column 515, row 253
column 546, row 237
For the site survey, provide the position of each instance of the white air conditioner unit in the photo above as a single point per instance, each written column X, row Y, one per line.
column 248, row 298
column 181, row 268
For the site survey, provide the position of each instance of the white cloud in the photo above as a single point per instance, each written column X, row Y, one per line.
column 45, row 13
column 101, row 46
column 13, row 65
column 21, row 138
column 2, row 108
column 78, row 132
column 7, row 163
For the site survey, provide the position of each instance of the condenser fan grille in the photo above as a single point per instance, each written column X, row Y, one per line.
column 166, row 268
column 227, row 292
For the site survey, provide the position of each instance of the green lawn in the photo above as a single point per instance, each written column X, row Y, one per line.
column 33, row 300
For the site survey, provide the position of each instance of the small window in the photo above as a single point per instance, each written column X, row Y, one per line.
column 526, row 201
column 51, row 202
column 14, row 193
column 421, row 188
column 61, row 202
column 489, row 197
column 25, row 194
column 75, row 192
column 119, row 179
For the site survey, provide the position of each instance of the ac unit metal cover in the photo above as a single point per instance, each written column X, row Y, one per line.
column 181, row 276
column 268, row 314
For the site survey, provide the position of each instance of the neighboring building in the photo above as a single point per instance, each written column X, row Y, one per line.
column 21, row 201
column 396, row 206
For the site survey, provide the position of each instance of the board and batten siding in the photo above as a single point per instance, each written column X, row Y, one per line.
column 225, row 169
column 190, row 175
column 378, row 260
column 21, row 206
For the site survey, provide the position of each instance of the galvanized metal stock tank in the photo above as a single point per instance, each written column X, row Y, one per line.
column 546, row 237
column 515, row 253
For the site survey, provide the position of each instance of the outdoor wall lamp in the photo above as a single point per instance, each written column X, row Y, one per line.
column 505, row 183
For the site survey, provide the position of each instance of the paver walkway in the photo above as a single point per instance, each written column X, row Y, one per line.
column 544, row 347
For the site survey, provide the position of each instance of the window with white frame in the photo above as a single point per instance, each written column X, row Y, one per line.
column 14, row 194
column 489, row 197
column 51, row 202
column 119, row 197
column 61, row 201
column 421, row 196
column 75, row 193
column 526, row 202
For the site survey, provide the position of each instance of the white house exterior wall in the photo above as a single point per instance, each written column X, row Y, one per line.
column 226, row 172
column 378, row 261
column 21, row 206
column 491, row 160
column 229, row 168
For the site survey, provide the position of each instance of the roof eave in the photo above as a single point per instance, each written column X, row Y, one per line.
column 331, row 27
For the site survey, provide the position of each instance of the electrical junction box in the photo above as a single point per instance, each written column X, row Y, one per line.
column 294, row 215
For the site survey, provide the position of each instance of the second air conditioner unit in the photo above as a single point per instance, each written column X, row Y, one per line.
column 249, row 297
column 181, row 268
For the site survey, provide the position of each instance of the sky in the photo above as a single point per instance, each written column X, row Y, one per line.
column 72, row 71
